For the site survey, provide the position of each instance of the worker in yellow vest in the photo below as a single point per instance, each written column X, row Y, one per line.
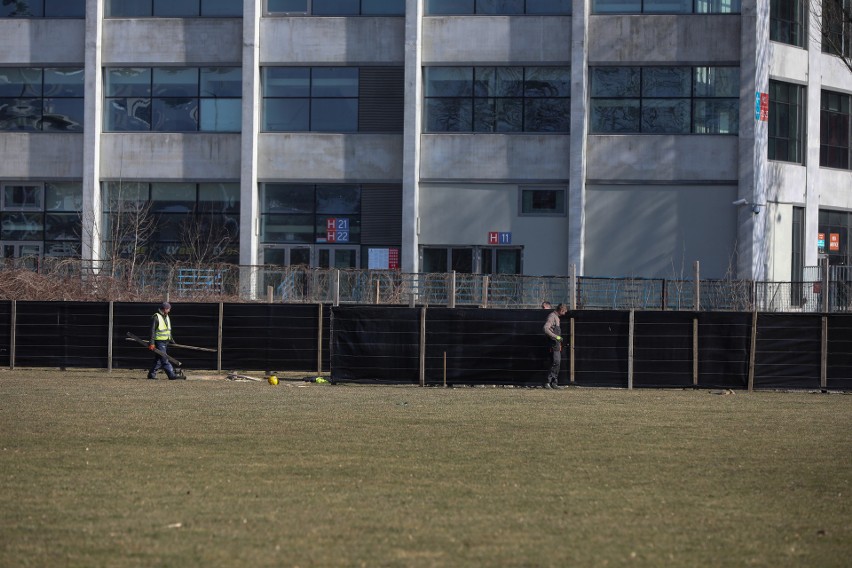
column 161, row 337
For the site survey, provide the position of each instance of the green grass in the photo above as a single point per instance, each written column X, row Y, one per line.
column 105, row 469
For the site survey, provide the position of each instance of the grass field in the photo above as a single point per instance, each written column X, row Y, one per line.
column 105, row 469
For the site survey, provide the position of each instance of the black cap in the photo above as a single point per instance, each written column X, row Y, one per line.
column 166, row 306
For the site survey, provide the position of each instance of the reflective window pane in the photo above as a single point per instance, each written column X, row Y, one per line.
column 287, row 228
column 548, row 7
column 127, row 8
column 334, row 115
column 127, row 115
column 287, row 198
column 175, row 82
column 547, row 82
column 616, row 6
column 219, row 197
column 287, row 6
column 63, row 196
column 334, row 82
column 64, row 82
column 667, row 6
column 498, row 81
column 20, row 114
column 547, row 115
column 671, row 116
column 175, row 8
column 22, row 197
column 614, row 115
column 338, row 199
column 449, row 7
column 499, row 7
column 286, row 115
column 175, row 115
column 62, row 115
column 221, row 82
column 717, row 82
column 21, row 226
column 172, row 197
column 448, row 115
column 435, row 260
column 20, row 82
column 222, row 8
column 286, row 81
column 615, row 81
column 448, row 82
column 62, row 226
column 21, row 9
column 718, row 7
column 221, row 115
column 498, row 115
column 334, row 7
column 65, row 8
column 717, row 116
column 666, row 81
column 127, row 82
column 383, row 7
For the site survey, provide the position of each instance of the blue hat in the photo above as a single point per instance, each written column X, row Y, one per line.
column 166, row 306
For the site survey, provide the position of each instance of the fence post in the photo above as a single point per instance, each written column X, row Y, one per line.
column 269, row 294
column 319, row 339
column 12, row 335
column 752, row 351
column 378, row 292
column 664, row 295
column 484, row 290
column 823, row 357
column 696, row 302
column 109, row 338
column 630, row 349
column 824, row 278
column 451, row 292
column 572, row 294
column 219, row 337
column 336, row 294
column 422, row 370
column 571, row 352
column 695, row 351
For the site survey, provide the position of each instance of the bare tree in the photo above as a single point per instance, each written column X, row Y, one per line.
column 203, row 240
column 833, row 19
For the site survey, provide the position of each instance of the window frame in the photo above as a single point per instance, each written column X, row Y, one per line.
column 108, row 9
column 825, row 115
column 563, row 190
column 800, row 126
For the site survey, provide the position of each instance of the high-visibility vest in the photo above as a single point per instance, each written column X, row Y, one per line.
column 164, row 328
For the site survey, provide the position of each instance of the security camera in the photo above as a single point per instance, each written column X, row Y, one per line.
column 755, row 209
column 740, row 202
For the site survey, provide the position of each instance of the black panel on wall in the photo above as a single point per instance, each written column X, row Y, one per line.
column 839, row 371
column 375, row 344
column 600, row 352
column 61, row 334
column 381, row 215
column 724, row 340
column 662, row 349
column 787, row 351
column 273, row 337
column 192, row 324
column 5, row 332
column 487, row 346
column 381, row 99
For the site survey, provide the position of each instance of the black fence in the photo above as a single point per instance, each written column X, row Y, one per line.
column 438, row 345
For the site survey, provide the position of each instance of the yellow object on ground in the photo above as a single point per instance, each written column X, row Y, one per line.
column 273, row 380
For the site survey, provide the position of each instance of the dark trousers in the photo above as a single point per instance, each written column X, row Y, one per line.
column 161, row 362
column 555, row 363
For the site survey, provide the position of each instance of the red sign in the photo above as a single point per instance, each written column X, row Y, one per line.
column 834, row 241
column 493, row 237
column 764, row 107
column 393, row 259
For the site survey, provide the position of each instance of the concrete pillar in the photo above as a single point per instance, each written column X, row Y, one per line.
column 752, row 246
column 249, row 199
column 411, row 137
column 579, row 131
column 814, row 96
column 92, row 212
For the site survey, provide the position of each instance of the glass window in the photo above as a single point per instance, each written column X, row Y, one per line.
column 786, row 122
column 62, row 227
column 173, row 197
column 221, row 8
column 548, row 7
column 176, row 8
column 22, row 226
column 674, row 100
column 498, row 7
column 786, row 21
column 666, row 6
column 334, row 7
column 837, row 27
column 22, row 197
column 718, row 6
column 328, row 213
column 287, row 6
column 219, row 197
column 497, row 99
column 173, row 8
column 20, row 82
column 128, row 8
column 185, row 99
column 435, row 260
column 542, row 201
column 21, row 9
column 835, row 127
column 339, row 199
column 288, row 198
column 63, row 196
column 383, row 7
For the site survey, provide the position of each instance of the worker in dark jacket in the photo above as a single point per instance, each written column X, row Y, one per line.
column 161, row 337
column 553, row 331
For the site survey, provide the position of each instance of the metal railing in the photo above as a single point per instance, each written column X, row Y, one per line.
column 74, row 279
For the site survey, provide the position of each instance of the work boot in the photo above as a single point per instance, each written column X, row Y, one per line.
column 547, row 386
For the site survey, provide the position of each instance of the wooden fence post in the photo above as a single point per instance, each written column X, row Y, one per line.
column 484, row 290
column 336, row 292
column 422, row 370
column 571, row 353
column 109, row 338
column 319, row 339
column 630, row 334
column 219, row 337
column 823, row 357
column 451, row 291
column 694, row 351
column 12, row 335
column 696, row 302
column 572, row 293
column 751, row 354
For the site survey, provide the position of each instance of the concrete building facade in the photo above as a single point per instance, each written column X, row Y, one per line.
column 626, row 138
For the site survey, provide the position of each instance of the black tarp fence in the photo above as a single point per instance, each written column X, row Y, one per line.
column 437, row 345
column 280, row 337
